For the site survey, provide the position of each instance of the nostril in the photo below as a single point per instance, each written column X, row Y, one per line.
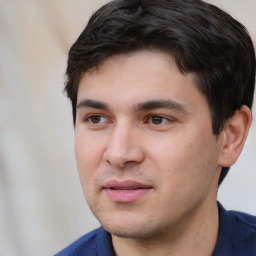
column 123, row 150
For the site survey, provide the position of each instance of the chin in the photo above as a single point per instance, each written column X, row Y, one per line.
column 128, row 232
column 132, row 228
column 122, row 225
column 129, row 223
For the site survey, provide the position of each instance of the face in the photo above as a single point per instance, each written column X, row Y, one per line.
column 146, row 154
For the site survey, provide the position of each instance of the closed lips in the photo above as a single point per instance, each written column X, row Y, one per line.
column 125, row 185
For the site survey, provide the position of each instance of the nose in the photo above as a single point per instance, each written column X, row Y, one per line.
column 124, row 147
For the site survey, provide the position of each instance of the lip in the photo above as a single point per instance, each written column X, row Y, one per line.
column 126, row 191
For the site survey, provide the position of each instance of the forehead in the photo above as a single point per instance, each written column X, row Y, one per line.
column 137, row 76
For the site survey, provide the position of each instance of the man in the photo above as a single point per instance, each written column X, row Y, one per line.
column 161, row 94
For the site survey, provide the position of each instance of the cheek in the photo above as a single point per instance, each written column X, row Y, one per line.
column 185, row 157
column 87, row 162
column 87, row 147
column 186, row 173
column 88, row 156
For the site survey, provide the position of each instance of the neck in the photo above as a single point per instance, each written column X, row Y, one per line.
column 196, row 235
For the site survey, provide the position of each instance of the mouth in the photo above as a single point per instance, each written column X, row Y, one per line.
column 126, row 191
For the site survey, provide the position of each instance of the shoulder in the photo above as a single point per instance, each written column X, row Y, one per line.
column 244, row 218
column 243, row 225
column 86, row 242
column 237, row 233
column 244, row 231
column 91, row 244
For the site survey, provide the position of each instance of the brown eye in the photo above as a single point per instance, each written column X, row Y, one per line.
column 96, row 119
column 156, row 120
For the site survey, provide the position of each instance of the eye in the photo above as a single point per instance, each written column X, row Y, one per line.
column 157, row 120
column 96, row 119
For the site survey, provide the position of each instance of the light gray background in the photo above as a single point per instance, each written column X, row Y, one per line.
column 42, row 207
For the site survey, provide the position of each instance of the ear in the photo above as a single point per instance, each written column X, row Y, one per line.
column 234, row 135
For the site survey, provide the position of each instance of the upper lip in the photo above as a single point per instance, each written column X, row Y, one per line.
column 126, row 184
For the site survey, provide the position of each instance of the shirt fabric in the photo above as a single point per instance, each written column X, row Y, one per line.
column 237, row 237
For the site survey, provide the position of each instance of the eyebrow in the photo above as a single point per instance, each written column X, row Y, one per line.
column 167, row 104
column 147, row 105
column 87, row 103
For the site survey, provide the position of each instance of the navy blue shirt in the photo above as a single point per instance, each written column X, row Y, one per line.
column 237, row 237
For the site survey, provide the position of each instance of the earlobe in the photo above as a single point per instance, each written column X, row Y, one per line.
column 235, row 133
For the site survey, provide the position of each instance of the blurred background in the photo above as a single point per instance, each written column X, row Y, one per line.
column 42, row 208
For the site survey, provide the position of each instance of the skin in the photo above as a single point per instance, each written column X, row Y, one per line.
column 121, row 135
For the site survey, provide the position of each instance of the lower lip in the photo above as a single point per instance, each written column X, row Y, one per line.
column 126, row 196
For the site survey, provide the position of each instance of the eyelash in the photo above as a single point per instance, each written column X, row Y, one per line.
column 159, row 117
column 89, row 119
column 152, row 120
